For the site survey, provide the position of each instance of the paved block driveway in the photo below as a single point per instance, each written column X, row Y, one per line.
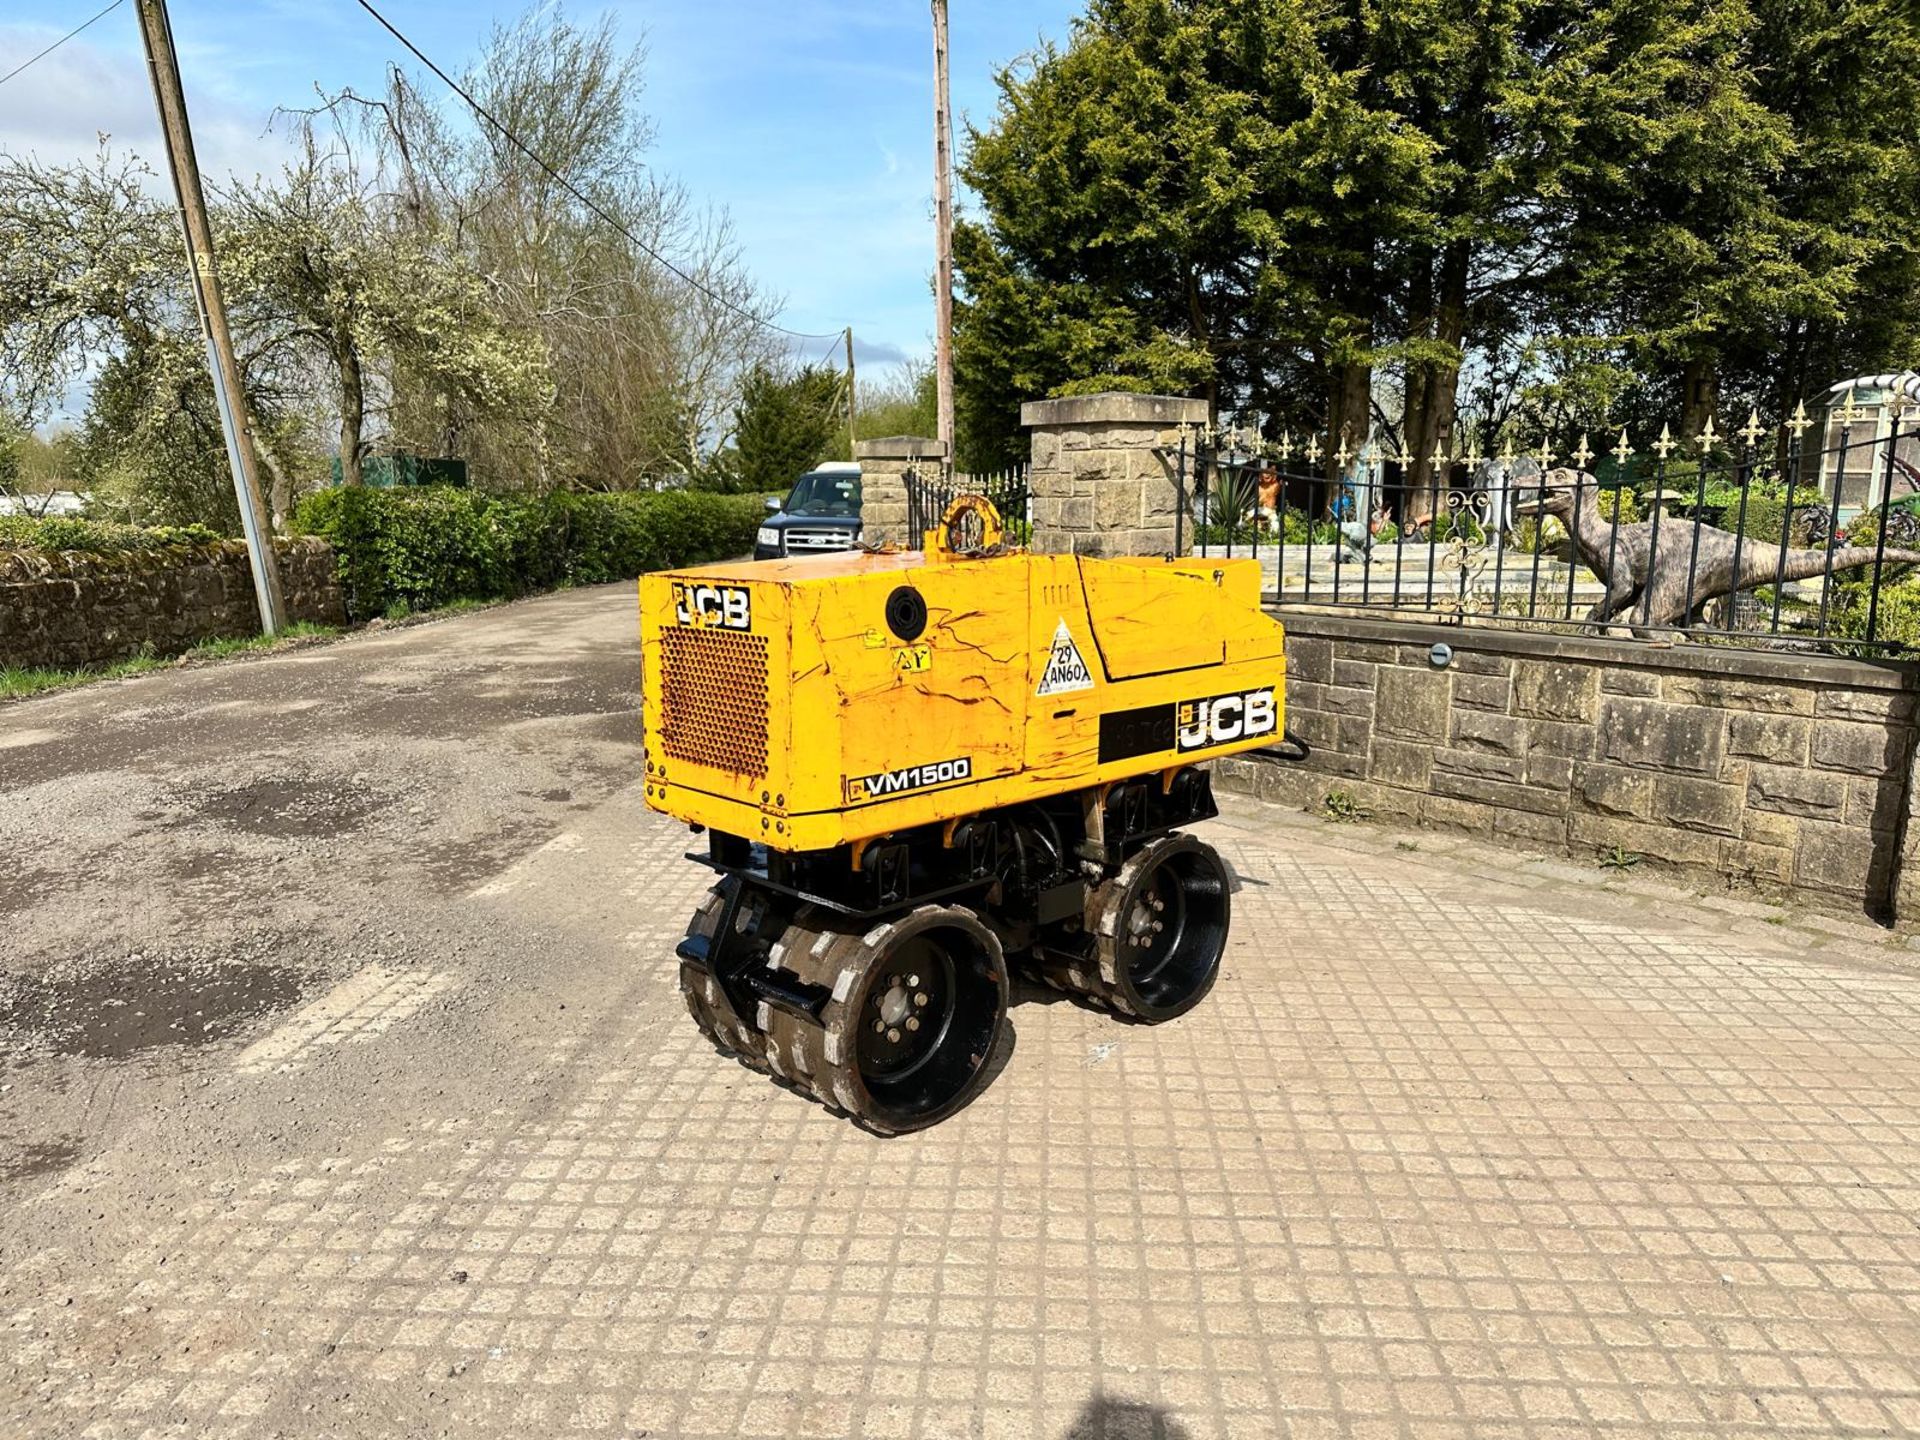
column 1458, row 1147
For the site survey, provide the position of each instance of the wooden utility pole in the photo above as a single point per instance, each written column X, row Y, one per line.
column 852, row 439
column 943, row 225
column 157, row 34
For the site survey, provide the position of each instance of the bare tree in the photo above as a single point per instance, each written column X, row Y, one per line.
column 573, row 234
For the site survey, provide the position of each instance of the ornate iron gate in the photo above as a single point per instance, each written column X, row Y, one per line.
column 929, row 497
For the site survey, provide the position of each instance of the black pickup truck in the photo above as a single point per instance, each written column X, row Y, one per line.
column 820, row 514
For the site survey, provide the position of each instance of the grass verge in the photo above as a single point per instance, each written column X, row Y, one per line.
column 16, row 683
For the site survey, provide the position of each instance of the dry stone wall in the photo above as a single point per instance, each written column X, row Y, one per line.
column 1781, row 773
column 65, row 609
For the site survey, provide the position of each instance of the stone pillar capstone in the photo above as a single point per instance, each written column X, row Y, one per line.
column 883, row 490
column 1102, row 475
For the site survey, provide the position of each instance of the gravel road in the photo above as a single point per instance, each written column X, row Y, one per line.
column 283, row 852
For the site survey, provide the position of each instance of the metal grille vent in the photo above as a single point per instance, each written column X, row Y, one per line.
column 715, row 692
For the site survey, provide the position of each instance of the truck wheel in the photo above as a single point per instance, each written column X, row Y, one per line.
column 707, row 1001
column 1158, row 928
column 918, row 1006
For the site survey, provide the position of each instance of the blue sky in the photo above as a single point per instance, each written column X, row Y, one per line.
column 809, row 121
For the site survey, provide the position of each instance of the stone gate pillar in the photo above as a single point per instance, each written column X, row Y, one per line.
column 1100, row 482
column 883, row 489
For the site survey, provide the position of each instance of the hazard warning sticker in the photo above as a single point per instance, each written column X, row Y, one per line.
column 1066, row 670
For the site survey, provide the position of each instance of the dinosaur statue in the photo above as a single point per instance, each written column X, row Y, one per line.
column 1621, row 559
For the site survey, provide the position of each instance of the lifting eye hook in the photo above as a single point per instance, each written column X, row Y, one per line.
column 939, row 540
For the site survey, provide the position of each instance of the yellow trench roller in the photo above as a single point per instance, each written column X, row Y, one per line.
column 910, row 768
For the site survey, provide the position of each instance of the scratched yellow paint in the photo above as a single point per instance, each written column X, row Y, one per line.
column 865, row 732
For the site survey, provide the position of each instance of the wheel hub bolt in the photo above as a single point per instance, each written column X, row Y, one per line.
column 1158, row 903
column 921, row 1000
column 913, row 1022
column 893, row 1036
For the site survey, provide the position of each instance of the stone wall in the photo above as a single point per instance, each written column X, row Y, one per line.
column 883, row 489
column 1102, row 476
column 66, row 609
column 1781, row 773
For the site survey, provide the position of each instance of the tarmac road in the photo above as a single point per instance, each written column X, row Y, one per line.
column 345, row 1089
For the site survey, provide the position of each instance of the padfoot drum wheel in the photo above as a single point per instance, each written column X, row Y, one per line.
column 1156, row 931
column 918, row 1005
column 706, row 1001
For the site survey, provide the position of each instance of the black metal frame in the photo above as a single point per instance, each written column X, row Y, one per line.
column 734, row 953
column 1029, row 860
column 930, row 863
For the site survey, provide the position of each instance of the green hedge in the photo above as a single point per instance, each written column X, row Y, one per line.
column 97, row 537
column 1896, row 618
column 417, row 549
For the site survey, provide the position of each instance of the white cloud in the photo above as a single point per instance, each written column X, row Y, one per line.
column 877, row 353
column 56, row 111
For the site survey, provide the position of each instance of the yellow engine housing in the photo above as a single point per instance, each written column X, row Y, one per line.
column 780, row 704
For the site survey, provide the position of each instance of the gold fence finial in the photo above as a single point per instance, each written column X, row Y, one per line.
column 1343, row 455
column 1663, row 447
column 1313, row 452
column 1849, row 412
column 1707, row 438
column 1800, row 423
column 1623, row 452
column 1506, row 450
column 1755, row 431
column 1545, row 455
column 1473, row 457
column 1582, row 452
column 1286, row 445
column 1439, row 457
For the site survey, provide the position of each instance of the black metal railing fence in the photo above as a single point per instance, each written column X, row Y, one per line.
column 1755, row 539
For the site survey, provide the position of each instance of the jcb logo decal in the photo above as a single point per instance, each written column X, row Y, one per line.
column 1227, row 718
column 862, row 788
column 722, row 607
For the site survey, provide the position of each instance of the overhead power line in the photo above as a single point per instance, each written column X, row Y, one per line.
column 24, row 64
column 566, row 184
